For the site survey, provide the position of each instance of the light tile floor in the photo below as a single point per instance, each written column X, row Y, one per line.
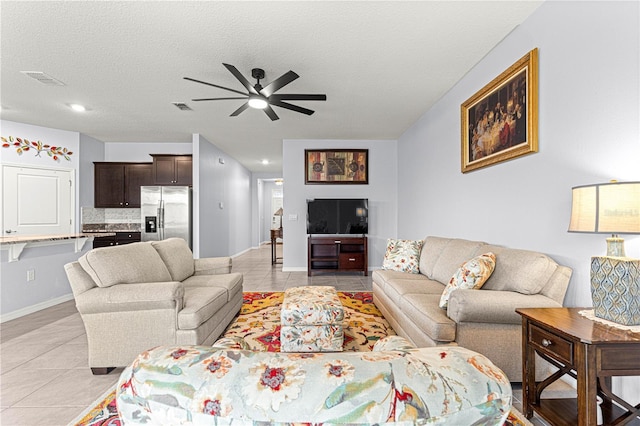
column 45, row 379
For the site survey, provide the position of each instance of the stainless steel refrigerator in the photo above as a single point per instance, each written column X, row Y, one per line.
column 166, row 212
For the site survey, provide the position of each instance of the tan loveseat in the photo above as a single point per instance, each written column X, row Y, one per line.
column 137, row 296
column 482, row 320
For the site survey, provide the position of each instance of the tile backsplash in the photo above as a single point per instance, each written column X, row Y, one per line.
column 92, row 215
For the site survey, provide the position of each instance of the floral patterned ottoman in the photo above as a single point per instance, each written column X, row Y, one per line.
column 311, row 320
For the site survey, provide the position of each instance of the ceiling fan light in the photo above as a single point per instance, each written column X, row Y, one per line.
column 257, row 102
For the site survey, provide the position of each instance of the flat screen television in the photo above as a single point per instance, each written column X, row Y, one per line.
column 337, row 216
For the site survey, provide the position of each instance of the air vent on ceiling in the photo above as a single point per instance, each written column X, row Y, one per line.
column 43, row 78
column 182, row 106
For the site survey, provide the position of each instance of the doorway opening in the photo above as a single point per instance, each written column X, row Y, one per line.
column 271, row 207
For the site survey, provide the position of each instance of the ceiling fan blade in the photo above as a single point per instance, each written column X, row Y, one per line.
column 239, row 110
column 216, row 99
column 214, row 85
column 297, row 97
column 271, row 113
column 279, row 83
column 291, row 107
column 241, row 78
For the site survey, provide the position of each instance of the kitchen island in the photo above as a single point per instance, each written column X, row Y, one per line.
column 17, row 243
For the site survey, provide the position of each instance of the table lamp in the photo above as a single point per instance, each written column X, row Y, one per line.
column 279, row 212
column 611, row 208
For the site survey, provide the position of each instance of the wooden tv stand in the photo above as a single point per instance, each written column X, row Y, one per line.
column 337, row 254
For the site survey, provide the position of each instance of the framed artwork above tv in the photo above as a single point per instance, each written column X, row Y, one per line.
column 336, row 166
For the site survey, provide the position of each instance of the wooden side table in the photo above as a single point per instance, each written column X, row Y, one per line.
column 275, row 233
column 586, row 350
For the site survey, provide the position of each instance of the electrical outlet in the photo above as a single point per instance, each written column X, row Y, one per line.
column 31, row 274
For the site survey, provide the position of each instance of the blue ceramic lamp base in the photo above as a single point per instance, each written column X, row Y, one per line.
column 615, row 289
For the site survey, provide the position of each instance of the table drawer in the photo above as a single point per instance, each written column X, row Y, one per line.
column 619, row 359
column 351, row 261
column 551, row 344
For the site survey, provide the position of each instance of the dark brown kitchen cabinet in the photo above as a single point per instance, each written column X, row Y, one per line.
column 117, row 185
column 117, row 240
column 169, row 169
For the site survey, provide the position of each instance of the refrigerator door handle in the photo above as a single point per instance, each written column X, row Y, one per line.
column 161, row 219
column 161, row 214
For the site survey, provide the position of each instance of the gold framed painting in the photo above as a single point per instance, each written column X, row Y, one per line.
column 336, row 166
column 500, row 121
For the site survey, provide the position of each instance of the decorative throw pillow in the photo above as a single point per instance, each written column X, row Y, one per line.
column 471, row 275
column 402, row 255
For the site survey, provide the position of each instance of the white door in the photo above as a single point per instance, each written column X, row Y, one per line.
column 276, row 204
column 37, row 201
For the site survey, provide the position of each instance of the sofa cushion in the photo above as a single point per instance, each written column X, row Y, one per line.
column 441, row 257
column 471, row 275
column 521, row 271
column 493, row 307
column 402, row 255
column 177, row 255
column 200, row 304
column 126, row 264
column 382, row 276
column 397, row 288
column 232, row 282
column 425, row 313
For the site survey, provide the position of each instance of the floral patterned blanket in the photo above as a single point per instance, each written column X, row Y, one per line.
column 393, row 384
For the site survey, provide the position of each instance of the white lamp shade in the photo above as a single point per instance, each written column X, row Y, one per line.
column 608, row 208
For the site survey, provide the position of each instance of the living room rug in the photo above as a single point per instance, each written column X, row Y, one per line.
column 259, row 321
column 259, row 324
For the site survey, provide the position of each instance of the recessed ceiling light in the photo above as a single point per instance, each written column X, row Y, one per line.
column 78, row 107
column 265, row 162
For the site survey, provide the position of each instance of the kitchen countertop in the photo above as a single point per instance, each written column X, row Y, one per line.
column 16, row 239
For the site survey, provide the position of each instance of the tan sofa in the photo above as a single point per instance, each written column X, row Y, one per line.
column 482, row 320
column 137, row 296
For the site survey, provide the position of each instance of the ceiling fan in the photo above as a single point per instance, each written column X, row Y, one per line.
column 263, row 97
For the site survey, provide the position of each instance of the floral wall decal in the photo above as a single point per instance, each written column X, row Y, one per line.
column 21, row 145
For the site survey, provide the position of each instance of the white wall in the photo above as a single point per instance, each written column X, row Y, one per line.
column 90, row 150
column 53, row 137
column 222, row 202
column 17, row 296
column 140, row 151
column 238, row 205
column 381, row 192
column 48, row 136
column 589, row 132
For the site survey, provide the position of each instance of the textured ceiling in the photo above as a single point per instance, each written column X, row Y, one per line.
column 381, row 65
